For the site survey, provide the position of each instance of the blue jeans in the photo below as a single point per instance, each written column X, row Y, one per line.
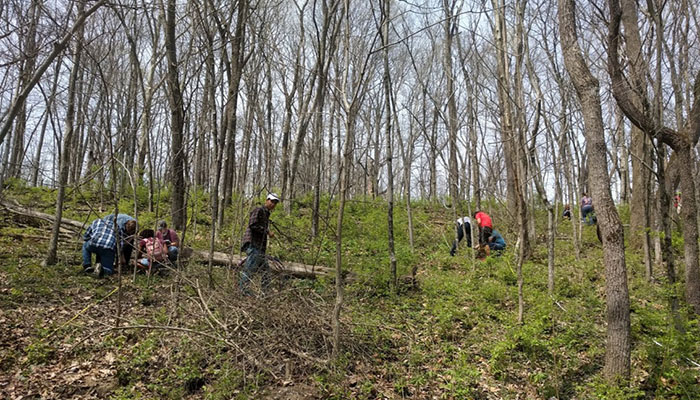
column 173, row 251
column 586, row 214
column 255, row 262
column 105, row 257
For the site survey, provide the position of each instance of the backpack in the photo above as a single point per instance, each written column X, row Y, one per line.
column 155, row 249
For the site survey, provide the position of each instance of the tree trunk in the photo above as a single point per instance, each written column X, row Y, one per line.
column 177, row 121
column 386, row 14
column 680, row 141
column 67, row 142
column 618, row 347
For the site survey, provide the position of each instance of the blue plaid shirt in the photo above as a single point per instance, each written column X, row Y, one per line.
column 101, row 234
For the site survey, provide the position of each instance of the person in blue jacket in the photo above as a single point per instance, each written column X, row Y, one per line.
column 496, row 242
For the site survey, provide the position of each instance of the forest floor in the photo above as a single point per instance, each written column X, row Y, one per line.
column 454, row 336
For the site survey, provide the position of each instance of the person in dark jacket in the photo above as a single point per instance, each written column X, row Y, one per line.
column 254, row 244
column 567, row 212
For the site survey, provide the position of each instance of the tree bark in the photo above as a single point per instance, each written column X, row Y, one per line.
column 618, row 347
column 680, row 141
column 177, row 120
column 65, row 162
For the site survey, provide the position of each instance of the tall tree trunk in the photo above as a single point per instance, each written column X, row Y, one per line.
column 640, row 143
column 450, row 27
column 67, row 141
column 177, row 120
column 504, row 103
column 386, row 14
column 680, row 141
column 237, row 61
column 618, row 347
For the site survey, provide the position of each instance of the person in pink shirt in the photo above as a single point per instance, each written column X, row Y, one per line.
column 483, row 221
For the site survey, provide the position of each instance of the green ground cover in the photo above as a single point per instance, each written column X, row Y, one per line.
column 454, row 336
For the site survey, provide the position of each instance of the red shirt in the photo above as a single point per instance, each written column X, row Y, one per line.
column 483, row 219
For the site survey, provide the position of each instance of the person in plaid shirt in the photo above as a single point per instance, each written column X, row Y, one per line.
column 254, row 243
column 100, row 240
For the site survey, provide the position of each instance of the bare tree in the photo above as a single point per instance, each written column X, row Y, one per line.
column 618, row 347
column 67, row 141
column 680, row 141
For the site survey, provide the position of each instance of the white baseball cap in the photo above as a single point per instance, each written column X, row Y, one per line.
column 273, row 197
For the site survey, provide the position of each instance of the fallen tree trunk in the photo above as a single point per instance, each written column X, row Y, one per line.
column 16, row 208
column 284, row 267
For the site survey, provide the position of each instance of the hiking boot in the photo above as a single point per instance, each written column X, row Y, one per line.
column 88, row 269
column 99, row 271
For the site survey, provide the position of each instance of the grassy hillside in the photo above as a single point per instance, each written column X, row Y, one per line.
column 455, row 336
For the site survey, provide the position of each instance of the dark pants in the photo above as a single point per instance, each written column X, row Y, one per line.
column 104, row 256
column 256, row 261
column 484, row 234
column 460, row 236
column 586, row 214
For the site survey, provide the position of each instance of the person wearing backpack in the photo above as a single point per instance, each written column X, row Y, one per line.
column 152, row 252
column 171, row 240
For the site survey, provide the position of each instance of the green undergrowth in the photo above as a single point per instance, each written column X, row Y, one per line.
column 454, row 335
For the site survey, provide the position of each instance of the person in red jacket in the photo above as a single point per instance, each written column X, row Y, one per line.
column 483, row 221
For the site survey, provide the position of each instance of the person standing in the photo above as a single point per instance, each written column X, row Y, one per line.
column 483, row 221
column 170, row 238
column 463, row 227
column 587, row 209
column 254, row 244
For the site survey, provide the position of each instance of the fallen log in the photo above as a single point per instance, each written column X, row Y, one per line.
column 16, row 208
column 284, row 267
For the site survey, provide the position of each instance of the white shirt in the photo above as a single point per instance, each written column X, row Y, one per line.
column 464, row 220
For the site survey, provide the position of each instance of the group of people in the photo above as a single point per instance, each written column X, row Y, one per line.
column 489, row 238
column 154, row 249
column 587, row 210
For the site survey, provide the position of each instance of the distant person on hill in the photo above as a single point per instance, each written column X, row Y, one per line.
column 567, row 212
column 677, row 202
column 254, row 243
column 463, row 224
column 171, row 240
column 101, row 240
column 483, row 221
column 587, row 209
